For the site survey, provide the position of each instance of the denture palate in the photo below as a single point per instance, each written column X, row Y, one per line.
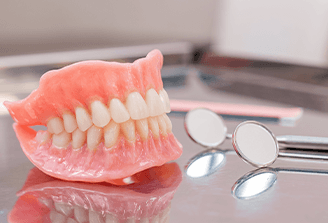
column 106, row 123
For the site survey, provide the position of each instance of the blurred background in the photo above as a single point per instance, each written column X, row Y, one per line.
column 275, row 50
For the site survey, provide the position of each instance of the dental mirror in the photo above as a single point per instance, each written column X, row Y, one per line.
column 257, row 145
column 205, row 127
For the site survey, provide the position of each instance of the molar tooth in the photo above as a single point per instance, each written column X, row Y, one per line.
column 94, row 136
column 128, row 129
column 95, row 217
column 81, row 214
column 153, row 125
column 165, row 100
column 83, row 119
column 62, row 139
column 100, row 114
column 55, row 125
column 43, row 137
column 111, row 133
column 142, row 128
column 78, row 138
column 161, row 124
column 168, row 123
column 118, row 111
column 137, row 106
column 154, row 103
column 69, row 122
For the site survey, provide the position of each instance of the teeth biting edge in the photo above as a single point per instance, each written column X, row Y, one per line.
column 106, row 123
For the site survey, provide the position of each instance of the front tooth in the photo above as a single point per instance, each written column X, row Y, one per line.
column 94, row 137
column 81, row 214
column 137, row 106
column 128, row 129
column 110, row 218
column 153, row 125
column 100, row 114
column 111, row 133
column 142, row 128
column 78, row 138
column 161, row 124
column 64, row 208
column 154, row 103
column 83, row 119
column 165, row 100
column 168, row 123
column 55, row 125
column 69, row 122
column 62, row 139
column 118, row 111
column 95, row 217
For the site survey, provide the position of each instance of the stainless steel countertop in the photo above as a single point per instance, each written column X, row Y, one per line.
column 296, row 196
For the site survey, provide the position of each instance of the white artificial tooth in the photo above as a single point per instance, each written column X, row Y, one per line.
column 55, row 125
column 100, row 114
column 94, row 136
column 78, row 138
column 65, row 209
column 110, row 218
column 128, row 129
column 62, row 139
column 137, row 106
column 118, row 111
column 47, row 202
column 153, row 125
column 70, row 220
column 161, row 124
column 56, row 217
column 81, row 214
column 142, row 128
column 95, row 217
column 154, row 103
column 111, row 133
column 69, row 122
column 165, row 100
column 83, row 119
column 168, row 123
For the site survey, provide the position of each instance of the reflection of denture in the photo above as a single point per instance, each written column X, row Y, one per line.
column 44, row 199
column 111, row 110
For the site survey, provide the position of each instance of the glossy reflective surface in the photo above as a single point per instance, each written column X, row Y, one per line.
column 205, row 163
column 254, row 184
column 205, row 127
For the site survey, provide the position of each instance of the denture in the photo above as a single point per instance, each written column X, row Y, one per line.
column 46, row 199
column 105, row 120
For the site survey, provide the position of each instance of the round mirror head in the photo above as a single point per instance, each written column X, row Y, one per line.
column 205, row 127
column 255, row 144
column 254, row 184
column 205, row 163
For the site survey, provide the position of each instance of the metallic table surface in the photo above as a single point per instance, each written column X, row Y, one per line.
column 295, row 196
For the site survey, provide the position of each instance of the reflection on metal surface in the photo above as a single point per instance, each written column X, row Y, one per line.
column 205, row 127
column 205, row 163
column 47, row 199
column 254, row 183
